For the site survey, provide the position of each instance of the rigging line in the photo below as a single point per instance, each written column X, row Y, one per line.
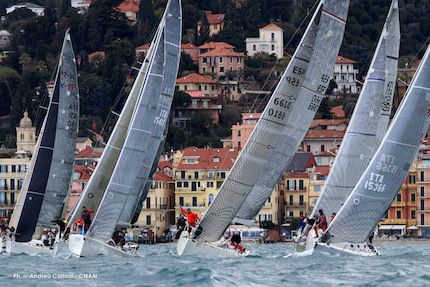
column 277, row 61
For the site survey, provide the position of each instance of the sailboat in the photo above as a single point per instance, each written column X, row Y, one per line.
column 381, row 181
column 142, row 144
column 48, row 177
column 365, row 131
column 301, row 87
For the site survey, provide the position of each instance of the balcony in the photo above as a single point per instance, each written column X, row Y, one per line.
column 268, row 205
column 296, row 190
column 289, row 204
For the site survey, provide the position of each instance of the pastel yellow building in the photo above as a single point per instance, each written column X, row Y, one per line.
column 25, row 135
column 158, row 212
column 318, row 176
column 12, row 175
column 272, row 208
column 199, row 173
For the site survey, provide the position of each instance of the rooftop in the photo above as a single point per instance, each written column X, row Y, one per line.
column 343, row 60
column 213, row 18
column 195, row 78
column 317, row 134
column 221, row 52
column 208, row 158
column 272, row 27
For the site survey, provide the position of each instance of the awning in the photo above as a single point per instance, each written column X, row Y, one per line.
column 413, row 227
column 391, row 226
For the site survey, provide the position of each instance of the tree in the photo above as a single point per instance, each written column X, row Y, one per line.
column 8, row 77
column 324, row 110
column 145, row 21
column 230, row 116
column 181, row 100
column 204, row 32
column 187, row 63
column 200, row 122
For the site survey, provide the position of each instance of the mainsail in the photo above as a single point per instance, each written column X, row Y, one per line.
column 95, row 189
column 369, row 121
column 280, row 114
column 380, row 183
column 146, row 130
column 48, row 177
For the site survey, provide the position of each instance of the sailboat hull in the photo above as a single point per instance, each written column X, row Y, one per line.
column 82, row 246
column 188, row 246
column 34, row 247
column 61, row 249
column 312, row 245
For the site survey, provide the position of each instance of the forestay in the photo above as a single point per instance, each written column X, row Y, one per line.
column 276, row 117
column 369, row 121
column 54, row 153
column 146, row 130
column 385, row 174
column 94, row 190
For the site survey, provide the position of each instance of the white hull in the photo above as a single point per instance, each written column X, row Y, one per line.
column 188, row 246
column 312, row 244
column 82, row 246
column 34, row 247
column 2, row 244
column 61, row 249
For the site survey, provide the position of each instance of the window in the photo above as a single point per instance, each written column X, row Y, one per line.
column 301, row 187
column 179, row 184
column 238, row 133
column 413, row 197
column 412, row 179
column 204, row 60
column 13, row 168
column 308, row 148
column 185, row 87
column 269, row 217
column 200, row 87
column 222, row 174
column 210, row 184
column 291, row 213
column 3, row 168
column 231, row 60
column 422, row 219
column 291, row 200
column 254, row 48
column 319, row 160
column 216, row 159
column 21, row 181
column 422, row 175
column 301, row 200
column 273, row 47
column 291, row 184
column 221, row 69
column 206, row 87
column 239, row 69
column 204, row 69
column 182, row 174
column 399, row 214
column 399, row 197
column 3, row 200
column 422, row 191
column 301, row 212
column 239, row 60
column 181, row 201
column 186, row 184
column 12, row 184
column 221, row 59
column 191, row 160
column 211, row 174
column 317, row 187
column 148, row 220
column 239, row 144
column 213, row 69
column 322, row 148
column 422, row 204
column 3, row 185
column 215, row 26
column 194, row 200
column 213, row 88
column 273, row 37
column 12, row 197
column 148, row 202
column 196, row 174
column 413, row 214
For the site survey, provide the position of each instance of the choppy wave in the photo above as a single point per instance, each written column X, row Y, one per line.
column 270, row 265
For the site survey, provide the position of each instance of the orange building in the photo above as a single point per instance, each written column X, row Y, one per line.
column 216, row 22
column 242, row 131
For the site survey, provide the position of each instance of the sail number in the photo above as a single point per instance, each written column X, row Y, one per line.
column 282, row 103
column 375, row 183
column 161, row 118
column 292, row 81
column 386, row 103
column 298, row 71
column 315, row 103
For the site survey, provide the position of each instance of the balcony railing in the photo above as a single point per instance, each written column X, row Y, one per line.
column 296, row 190
column 289, row 204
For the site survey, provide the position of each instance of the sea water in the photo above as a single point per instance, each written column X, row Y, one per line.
column 401, row 264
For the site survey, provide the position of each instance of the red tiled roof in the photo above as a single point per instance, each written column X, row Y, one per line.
column 214, row 45
column 324, row 170
column 325, row 122
column 297, row 175
column 162, row 176
column 271, row 27
column 224, row 158
column 129, row 5
column 88, row 152
column 84, row 172
column 162, row 164
column 95, row 54
column 338, row 111
column 221, row 52
column 318, row 134
column 188, row 46
column 144, row 47
column 195, row 78
column 343, row 60
column 213, row 18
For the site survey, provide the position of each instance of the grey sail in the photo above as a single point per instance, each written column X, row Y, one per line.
column 54, row 152
column 280, row 114
column 94, row 190
column 381, row 181
column 146, row 130
column 369, row 121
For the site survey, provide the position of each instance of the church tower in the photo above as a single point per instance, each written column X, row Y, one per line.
column 25, row 135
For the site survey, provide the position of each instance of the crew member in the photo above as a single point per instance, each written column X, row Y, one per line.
column 86, row 217
column 191, row 217
column 60, row 223
column 332, row 217
column 322, row 220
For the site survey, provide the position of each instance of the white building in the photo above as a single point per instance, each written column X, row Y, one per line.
column 345, row 75
column 37, row 9
column 271, row 41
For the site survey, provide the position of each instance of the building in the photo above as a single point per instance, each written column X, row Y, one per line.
column 272, row 209
column 345, row 75
column 318, row 175
column 12, row 175
column 220, row 60
column 130, row 8
column 81, row 176
column 37, row 9
column 196, row 82
column 25, row 135
column 270, row 40
column 216, row 22
column 321, row 141
column 199, row 175
column 83, row 143
column 158, row 211
column 229, row 89
column 423, row 195
column 297, row 183
column 242, row 131
column 332, row 125
column 4, row 39
column 81, row 5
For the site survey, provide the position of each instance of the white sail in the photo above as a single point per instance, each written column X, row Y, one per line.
column 277, row 115
column 95, row 189
column 146, row 130
column 380, row 183
column 52, row 162
column 369, row 121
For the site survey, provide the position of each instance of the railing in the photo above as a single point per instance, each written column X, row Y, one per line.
column 290, row 204
column 296, row 190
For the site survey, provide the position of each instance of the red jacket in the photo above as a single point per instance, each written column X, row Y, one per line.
column 191, row 216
